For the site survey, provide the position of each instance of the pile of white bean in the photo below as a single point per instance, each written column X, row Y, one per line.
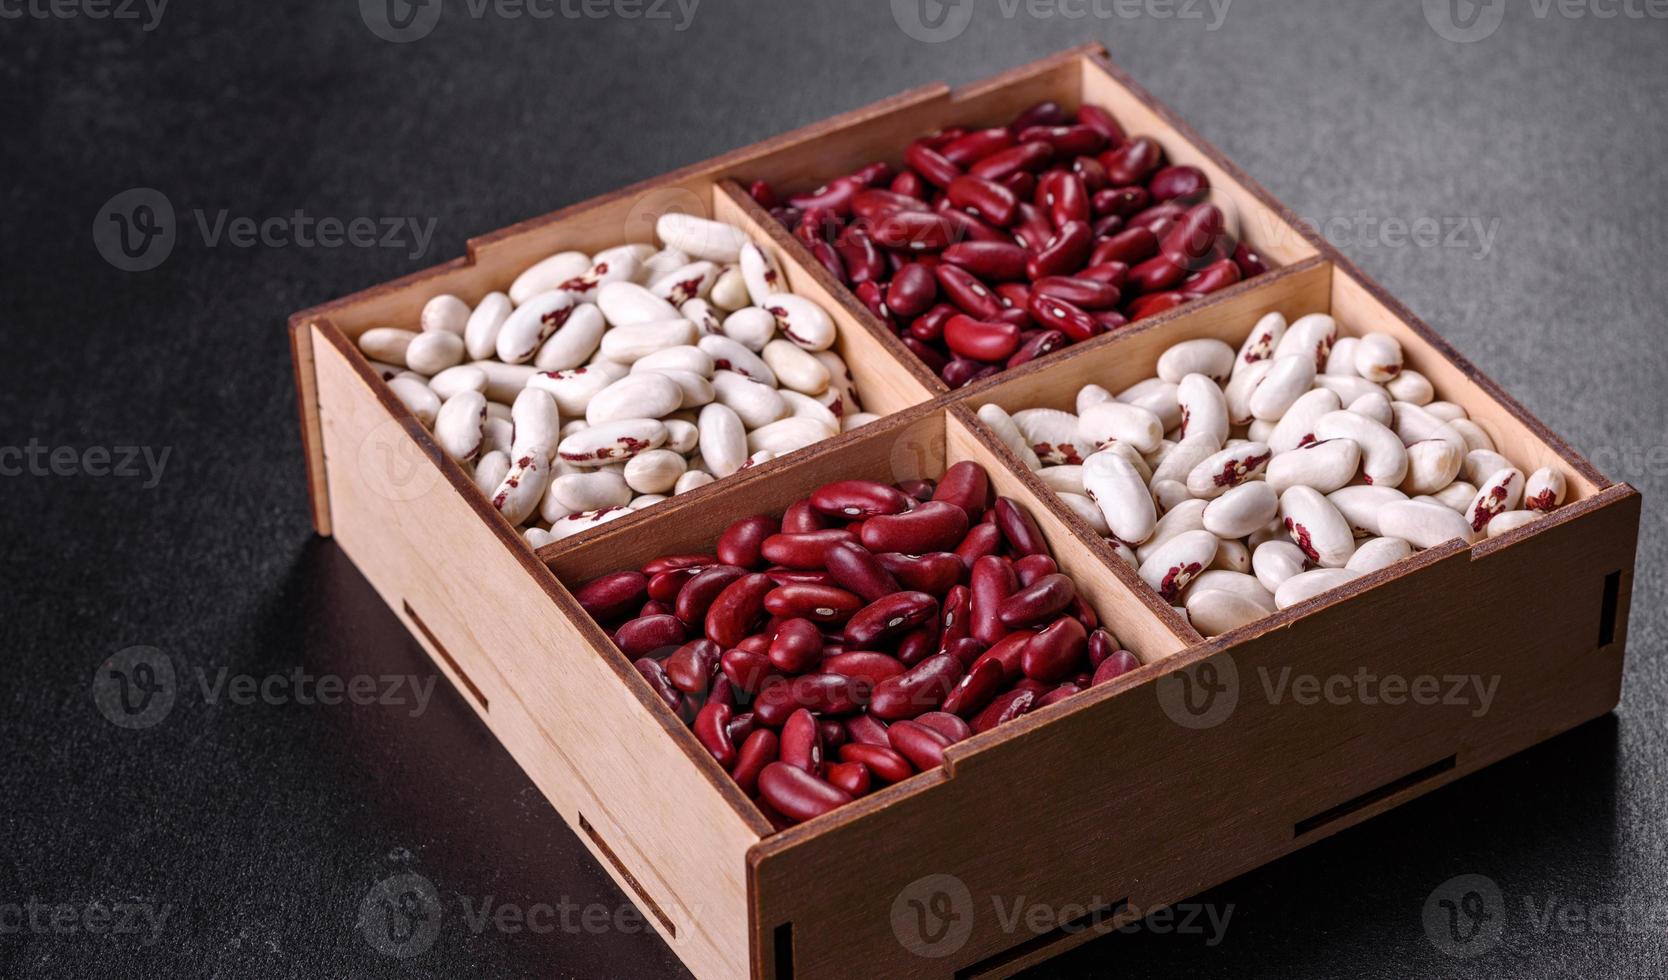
column 672, row 368
column 1241, row 482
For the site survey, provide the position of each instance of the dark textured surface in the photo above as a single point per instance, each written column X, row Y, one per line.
column 261, row 827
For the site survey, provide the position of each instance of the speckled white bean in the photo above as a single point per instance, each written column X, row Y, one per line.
column 625, row 345
column 692, row 281
column 1227, row 469
column 1052, row 435
column 1421, row 524
column 1377, row 553
column 1324, row 466
column 760, row 272
column 655, row 471
column 1297, row 426
column 1285, row 383
column 649, row 395
column 1242, row 510
column 480, row 334
column 522, row 488
column 445, row 313
column 800, row 320
column 1383, row 457
column 1169, row 569
column 579, row 523
column 1501, row 492
column 1189, row 515
column 545, row 275
column 572, row 493
column 1275, row 561
column 788, row 435
column 1360, row 506
column 795, row 367
column 1261, row 343
column 1411, row 386
column 1121, row 422
column 418, row 397
column 460, row 425
column 1307, row 585
column 1316, row 527
column 751, row 326
column 1204, row 410
column 1214, row 611
column 1545, row 490
column 532, row 322
column 723, row 439
column 729, row 355
column 1378, row 357
column 387, row 344
column 490, row 470
column 574, row 341
column 574, row 389
column 1431, row 465
column 1206, row 355
column 701, row 238
column 455, row 380
column 612, row 442
column 1122, row 496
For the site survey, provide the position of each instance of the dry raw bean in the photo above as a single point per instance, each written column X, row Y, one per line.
column 627, row 304
column 1237, row 395
column 537, row 424
column 1306, row 585
column 387, row 344
column 1378, row 357
column 703, row 315
column 458, row 427
column 1239, row 583
column 751, row 327
column 1473, row 434
column 694, row 389
column 1086, row 510
column 547, row 274
column 1261, row 342
column 723, row 439
column 1421, row 524
column 522, row 488
column 1170, row 494
column 1052, row 435
column 625, row 345
column 1154, row 395
column 573, row 493
column 612, row 442
column 1376, row 406
column 1411, row 386
column 1297, row 427
column 433, row 351
column 1316, row 527
column 1480, row 464
column 795, row 368
column 456, row 380
column 690, row 480
column 1231, row 556
column 800, row 320
column 656, row 471
column 652, row 394
column 1285, row 383
column 1545, row 490
column 1383, row 457
column 1446, row 411
column 685, row 283
column 1311, row 336
column 1207, row 356
column 1115, row 421
column 1228, row 469
column 1173, row 566
column 445, row 313
column 1511, row 521
column 681, row 436
column 1501, row 492
column 1342, row 359
column 1091, row 395
column 417, row 397
column 504, row 381
column 1324, row 466
column 1455, row 496
column 1002, row 424
column 1120, row 493
column 532, row 322
column 701, row 238
column 1062, row 479
column 579, row 523
column 1413, row 424
column 1361, row 505
column 729, row 292
column 1377, row 553
column 787, row 435
column 574, row 341
column 1276, row 561
column 1182, row 460
column 497, row 433
column 1204, row 410
column 1214, row 611
column 574, row 389
column 685, row 358
column 1240, row 511
column 728, row 355
column 1432, row 465
column 1347, row 387
column 1189, row 515
column 756, row 404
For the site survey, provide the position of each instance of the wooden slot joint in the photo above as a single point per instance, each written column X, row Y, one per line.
column 1103, row 918
column 1377, row 794
column 629, row 878
column 782, row 951
column 470, row 688
column 1610, row 609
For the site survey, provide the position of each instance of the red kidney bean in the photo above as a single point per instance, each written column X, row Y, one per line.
column 992, row 581
column 712, row 730
column 882, row 761
column 954, row 621
column 797, row 647
column 1004, row 708
column 929, row 326
column 697, row 595
column 1179, row 182
column 1041, row 114
column 965, row 485
column 1120, row 202
column 932, row 165
column 1157, row 274
column 1057, row 695
column 1043, row 599
column 992, row 261
column 1156, row 303
column 1114, row 274
column 692, row 667
column 802, row 742
column 889, row 617
column 612, row 596
column 1063, row 254
column 866, row 665
column 832, row 731
column 818, row 603
column 1119, row 663
column 969, row 227
column 946, row 724
column 909, row 183
column 865, row 730
column 932, row 526
column 803, row 550
column 914, row 231
column 985, row 198
column 797, row 576
column 1045, row 342
column 655, row 674
column 1067, row 140
column 918, row 644
column 930, row 356
column 873, row 296
column 759, row 750
column 1067, row 199
column 762, row 194
column 668, row 563
column 912, row 290
column 858, row 569
column 1249, row 262
column 739, row 544
column 736, row 609
column 1213, row 278
column 966, row 292
column 1131, row 246
column 860, row 256
column 858, row 498
column 919, row 491
column 1058, row 314
column 870, row 205
column 798, row 794
column 1193, row 237
column 825, row 693
column 1091, row 173
column 653, row 608
column 665, row 586
column 833, row 196
column 975, row 689
column 1085, row 294
column 1056, row 652
column 650, row 636
column 741, row 725
column 1033, row 567
column 829, row 259
column 1133, row 162
column 817, row 224
column 1018, row 528
column 933, row 573
column 1102, row 122
column 853, row 777
column 922, row 746
column 747, row 670
column 1007, row 653
column 981, row 340
column 799, row 518
column 976, row 145
column 920, row 689
column 1032, row 156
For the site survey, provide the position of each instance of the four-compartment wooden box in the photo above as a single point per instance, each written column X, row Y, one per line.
column 1128, row 797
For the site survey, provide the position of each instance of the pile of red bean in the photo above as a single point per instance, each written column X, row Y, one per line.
column 870, row 624
column 992, row 247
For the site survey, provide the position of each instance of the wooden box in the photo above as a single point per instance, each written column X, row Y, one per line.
column 1128, row 797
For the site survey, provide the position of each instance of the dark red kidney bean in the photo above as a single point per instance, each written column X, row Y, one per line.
column 818, row 603
column 797, row 647
column 1067, row 140
column 655, row 674
column 799, row 518
column 1120, row 202
column 1083, row 613
column 1114, row 274
column 873, row 296
column 1023, row 183
column 858, row 498
column 667, row 563
column 799, row 795
column 1193, row 237
column 762, row 194
column 1068, row 200
column 1018, row 528
column 1004, row 708
column 922, row 746
column 758, row 750
column 1057, row 695
column 778, row 820
column 1086, row 294
column 1131, row 246
column 833, row 196
column 865, row 729
column 1045, row 342
column 1249, row 262
column 789, row 217
column 932, row 165
column 932, row 526
column 919, row 491
column 739, row 544
column 1058, row 314
column 1033, row 567
column 918, row 644
column 860, row 256
column 981, row 340
column 817, row 224
column 953, row 619
column 992, row 261
column 829, row 259
column 934, row 360
column 803, row 550
column 712, row 730
column 1042, row 600
column 913, row 231
column 1064, row 254
column 692, row 667
column 874, row 174
column 985, row 198
column 968, row 227
column 912, row 290
column 1008, row 653
column 975, row 689
column 1104, row 227
column 1057, row 652
column 832, row 731
column 747, row 670
column 991, row 582
column 856, row 568
column 965, row 150
column 1119, row 663
column 982, row 540
column 1102, row 644
column 1153, row 304
column 612, row 596
column 1159, row 218
column 734, row 612
column 1179, row 182
column 802, row 742
column 866, row 665
column 966, row 649
column 946, row 724
column 653, row 608
column 933, row 573
column 920, row 689
column 1031, row 156
column 1156, row 275
column 650, row 636
column 853, row 777
column 1102, row 122
column 665, row 586
column 1133, row 162
column 929, row 326
column 869, row 205
column 1111, row 319
column 697, row 595
column 1091, row 173
column 797, row 576
column 910, row 184
column 741, row 725
column 965, row 485
column 1033, row 231
column 879, row 758
column 889, row 617
column 964, row 289
column 1213, row 278
column 826, row 693
column 1041, row 114
column 961, row 372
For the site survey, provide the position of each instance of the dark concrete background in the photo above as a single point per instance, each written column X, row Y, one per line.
column 260, row 828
